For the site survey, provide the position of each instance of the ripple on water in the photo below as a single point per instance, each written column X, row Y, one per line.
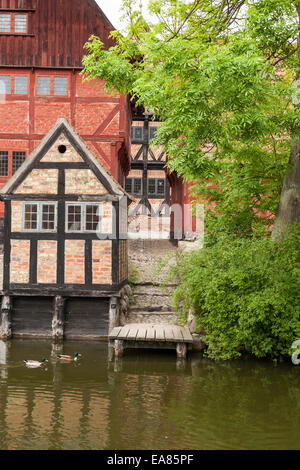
column 144, row 402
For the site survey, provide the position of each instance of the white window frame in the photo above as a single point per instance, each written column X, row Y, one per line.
column 83, row 206
column 39, row 205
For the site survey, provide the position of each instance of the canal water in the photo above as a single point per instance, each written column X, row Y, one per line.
column 144, row 401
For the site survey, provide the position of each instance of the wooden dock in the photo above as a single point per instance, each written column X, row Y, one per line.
column 151, row 336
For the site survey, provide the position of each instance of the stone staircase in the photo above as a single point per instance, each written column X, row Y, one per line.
column 151, row 301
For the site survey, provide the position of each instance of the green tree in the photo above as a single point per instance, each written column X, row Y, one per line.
column 219, row 75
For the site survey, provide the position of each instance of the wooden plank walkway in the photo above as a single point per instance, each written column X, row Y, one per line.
column 133, row 335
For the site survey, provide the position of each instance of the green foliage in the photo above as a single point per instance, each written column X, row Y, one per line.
column 219, row 76
column 245, row 294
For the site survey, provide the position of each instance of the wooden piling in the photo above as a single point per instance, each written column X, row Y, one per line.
column 119, row 348
column 113, row 313
column 181, row 349
column 5, row 326
column 58, row 319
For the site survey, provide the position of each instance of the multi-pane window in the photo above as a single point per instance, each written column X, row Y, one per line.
column 4, row 84
column 60, row 86
column 152, row 132
column 17, row 160
column 13, row 22
column 39, row 216
column 48, row 217
column 83, row 217
column 20, row 23
column 160, row 186
column 21, row 85
column 74, row 218
column 156, row 186
column 137, row 133
column 43, row 85
column 30, row 217
column 5, row 22
column 92, row 219
column 133, row 185
column 3, row 163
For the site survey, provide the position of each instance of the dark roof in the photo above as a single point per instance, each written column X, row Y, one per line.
column 57, row 32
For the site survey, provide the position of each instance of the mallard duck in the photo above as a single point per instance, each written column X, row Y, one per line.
column 65, row 357
column 30, row 363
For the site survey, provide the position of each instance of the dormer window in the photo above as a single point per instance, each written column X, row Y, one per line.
column 13, row 23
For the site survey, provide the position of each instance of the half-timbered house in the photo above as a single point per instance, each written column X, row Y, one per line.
column 65, row 241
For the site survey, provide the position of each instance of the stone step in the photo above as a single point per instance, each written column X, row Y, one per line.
column 167, row 318
column 151, row 289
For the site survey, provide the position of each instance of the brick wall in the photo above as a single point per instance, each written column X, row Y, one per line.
column 123, row 260
column 83, row 182
column 39, row 182
column 107, row 214
column 47, row 257
column 53, row 155
column 19, row 261
column 16, row 216
column 74, row 261
column 102, row 261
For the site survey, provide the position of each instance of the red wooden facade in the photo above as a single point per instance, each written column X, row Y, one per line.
column 41, row 49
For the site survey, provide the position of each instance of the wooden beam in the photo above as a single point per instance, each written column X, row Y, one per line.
column 58, row 318
column 5, row 326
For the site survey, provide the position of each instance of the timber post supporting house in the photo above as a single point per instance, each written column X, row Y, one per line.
column 65, row 264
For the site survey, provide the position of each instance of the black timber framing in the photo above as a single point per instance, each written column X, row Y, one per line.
column 146, row 165
column 60, row 236
column 115, row 244
column 61, row 288
column 7, row 246
column 37, row 161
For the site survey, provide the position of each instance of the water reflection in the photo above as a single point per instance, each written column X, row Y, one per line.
column 144, row 401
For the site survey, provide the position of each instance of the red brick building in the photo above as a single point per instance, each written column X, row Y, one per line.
column 41, row 50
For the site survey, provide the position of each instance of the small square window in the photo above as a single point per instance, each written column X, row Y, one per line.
column 5, row 84
column 20, row 23
column 161, row 186
column 137, row 186
column 137, row 133
column 48, row 217
column 18, row 159
column 74, row 218
column 151, row 186
column 31, row 217
column 152, row 132
column 92, row 217
column 3, row 163
column 43, row 85
column 5, row 21
column 128, row 185
column 21, row 85
column 39, row 216
column 60, row 86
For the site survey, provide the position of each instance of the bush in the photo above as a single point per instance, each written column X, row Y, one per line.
column 245, row 294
